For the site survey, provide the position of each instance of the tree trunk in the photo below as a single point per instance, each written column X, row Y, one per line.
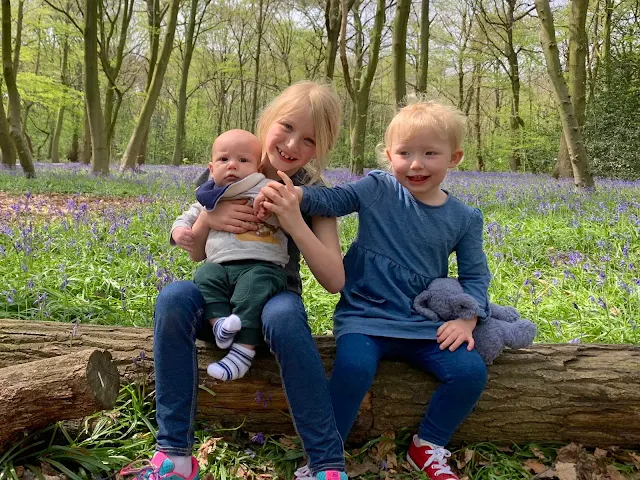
column 360, row 87
column 332, row 24
column 546, row 393
column 42, row 392
column 608, row 13
column 6, row 144
column 359, row 131
column 256, row 72
column 142, row 126
column 579, row 161
column 18, row 44
column 9, row 73
column 423, row 63
column 154, row 21
column 399, row 47
column 578, row 45
column 100, row 156
column 182, row 92
column 55, row 156
column 73, row 155
column 86, row 137
column 476, row 118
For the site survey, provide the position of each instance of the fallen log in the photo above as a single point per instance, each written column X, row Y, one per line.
column 553, row 393
column 39, row 393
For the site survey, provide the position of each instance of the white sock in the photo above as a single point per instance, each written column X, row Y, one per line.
column 424, row 443
column 234, row 365
column 182, row 464
column 225, row 330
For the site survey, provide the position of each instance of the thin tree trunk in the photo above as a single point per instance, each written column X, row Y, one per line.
column 360, row 88
column 9, row 73
column 579, row 161
column 423, row 63
column 86, row 152
column 142, row 126
column 100, row 157
column 18, row 44
column 6, row 144
column 182, row 90
column 476, row 118
column 399, row 47
column 332, row 24
column 154, row 17
column 578, row 45
column 256, row 72
column 55, row 156
column 607, row 42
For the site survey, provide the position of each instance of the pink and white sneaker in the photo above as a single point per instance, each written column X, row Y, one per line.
column 160, row 467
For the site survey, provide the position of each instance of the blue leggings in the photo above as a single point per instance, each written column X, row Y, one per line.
column 462, row 376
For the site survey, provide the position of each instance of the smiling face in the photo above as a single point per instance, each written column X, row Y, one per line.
column 420, row 164
column 235, row 155
column 290, row 142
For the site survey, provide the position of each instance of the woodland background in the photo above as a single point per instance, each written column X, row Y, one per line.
column 162, row 78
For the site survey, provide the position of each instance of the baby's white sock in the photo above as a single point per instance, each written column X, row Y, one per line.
column 182, row 464
column 225, row 330
column 234, row 365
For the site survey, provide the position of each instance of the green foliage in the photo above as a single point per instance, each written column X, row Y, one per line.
column 611, row 130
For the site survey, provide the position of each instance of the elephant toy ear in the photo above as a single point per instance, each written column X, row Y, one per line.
column 420, row 305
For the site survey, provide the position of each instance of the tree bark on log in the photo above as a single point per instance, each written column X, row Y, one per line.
column 554, row 393
column 38, row 393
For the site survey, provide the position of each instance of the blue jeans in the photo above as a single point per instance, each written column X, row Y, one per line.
column 462, row 376
column 179, row 320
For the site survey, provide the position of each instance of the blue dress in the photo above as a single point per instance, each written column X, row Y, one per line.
column 401, row 246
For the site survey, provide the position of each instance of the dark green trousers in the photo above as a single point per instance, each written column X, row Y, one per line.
column 243, row 288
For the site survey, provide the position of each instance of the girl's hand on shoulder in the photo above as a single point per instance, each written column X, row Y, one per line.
column 454, row 333
column 184, row 238
column 281, row 200
column 233, row 216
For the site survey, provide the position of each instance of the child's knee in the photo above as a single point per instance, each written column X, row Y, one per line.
column 472, row 372
column 354, row 372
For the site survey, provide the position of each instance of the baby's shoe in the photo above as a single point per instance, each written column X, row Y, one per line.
column 431, row 460
column 160, row 467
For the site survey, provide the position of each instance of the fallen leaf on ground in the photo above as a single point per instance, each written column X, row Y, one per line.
column 600, row 453
column 538, row 453
column 569, row 453
column 356, row 469
column 614, row 474
column 205, row 450
column 566, row 471
column 468, row 455
column 535, row 466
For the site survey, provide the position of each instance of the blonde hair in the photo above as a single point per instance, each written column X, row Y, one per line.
column 448, row 123
column 321, row 102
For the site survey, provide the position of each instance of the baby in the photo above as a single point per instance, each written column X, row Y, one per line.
column 241, row 271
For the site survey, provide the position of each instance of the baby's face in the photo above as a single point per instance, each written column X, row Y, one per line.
column 235, row 155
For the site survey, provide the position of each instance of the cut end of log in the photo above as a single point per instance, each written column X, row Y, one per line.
column 103, row 378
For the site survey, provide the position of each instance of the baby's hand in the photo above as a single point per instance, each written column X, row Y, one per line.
column 258, row 208
column 184, row 238
column 454, row 333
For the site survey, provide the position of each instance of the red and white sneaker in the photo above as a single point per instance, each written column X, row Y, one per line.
column 431, row 460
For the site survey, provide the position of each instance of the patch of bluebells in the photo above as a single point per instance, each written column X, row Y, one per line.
column 585, row 247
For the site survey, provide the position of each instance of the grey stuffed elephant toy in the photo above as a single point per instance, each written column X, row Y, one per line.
column 445, row 300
